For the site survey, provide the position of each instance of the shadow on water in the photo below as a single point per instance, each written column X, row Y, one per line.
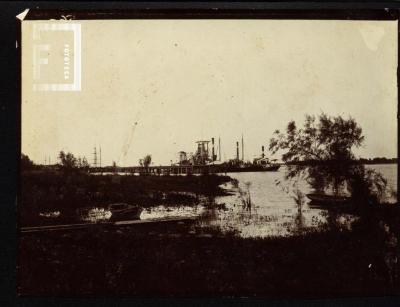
column 261, row 206
column 255, row 205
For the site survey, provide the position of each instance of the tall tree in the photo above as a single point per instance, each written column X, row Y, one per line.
column 67, row 161
column 26, row 163
column 85, row 164
column 322, row 152
column 147, row 161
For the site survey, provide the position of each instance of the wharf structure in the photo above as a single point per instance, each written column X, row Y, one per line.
column 203, row 161
column 162, row 170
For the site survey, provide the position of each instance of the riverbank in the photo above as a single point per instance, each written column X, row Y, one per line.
column 180, row 260
column 52, row 191
column 188, row 259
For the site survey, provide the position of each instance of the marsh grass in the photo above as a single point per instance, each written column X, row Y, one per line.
column 174, row 260
column 244, row 193
column 46, row 191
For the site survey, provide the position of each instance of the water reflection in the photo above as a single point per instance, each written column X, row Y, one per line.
column 254, row 208
column 256, row 222
column 389, row 172
column 94, row 215
column 50, row 214
column 160, row 212
column 258, row 205
column 263, row 206
column 260, row 208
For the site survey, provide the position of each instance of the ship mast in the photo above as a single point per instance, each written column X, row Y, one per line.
column 219, row 148
column 242, row 149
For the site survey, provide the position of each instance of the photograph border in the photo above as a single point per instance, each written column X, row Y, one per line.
column 208, row 13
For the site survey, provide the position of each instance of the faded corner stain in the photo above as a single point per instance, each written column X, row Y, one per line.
column 372, row 36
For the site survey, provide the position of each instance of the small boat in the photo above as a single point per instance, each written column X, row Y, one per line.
column 263, row 164
column 271, row 168
column 123, row 210
column 324, row 199
column 252, row 168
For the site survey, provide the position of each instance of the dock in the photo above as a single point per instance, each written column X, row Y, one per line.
column 182, row 169
column 162, row 170
column 179, row 220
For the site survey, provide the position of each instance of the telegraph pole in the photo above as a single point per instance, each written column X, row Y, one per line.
column 219, row 148
column 242, row 149
column 95, row 157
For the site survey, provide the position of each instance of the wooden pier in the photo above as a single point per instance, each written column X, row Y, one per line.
column 64, row 227
column 162, row 170
column 182, row 169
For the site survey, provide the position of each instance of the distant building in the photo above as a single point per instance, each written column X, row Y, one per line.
column 261, row 161
column 183, row 158
column 202, row 156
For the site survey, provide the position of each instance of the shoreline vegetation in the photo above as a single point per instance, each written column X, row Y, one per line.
column 44, row 191
column 183, row 259
column 173, row 260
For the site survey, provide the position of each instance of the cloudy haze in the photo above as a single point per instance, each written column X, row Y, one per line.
column 186, row 80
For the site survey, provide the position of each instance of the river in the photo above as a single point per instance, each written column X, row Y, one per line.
column 273, row 210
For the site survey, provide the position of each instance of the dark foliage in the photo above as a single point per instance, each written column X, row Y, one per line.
column 174, row 260
column 45, row 190
column 26, row 163
column 321, row 152
column 69, row 163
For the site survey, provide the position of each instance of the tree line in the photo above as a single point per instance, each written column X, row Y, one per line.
column 321, row 152
column 68, row 162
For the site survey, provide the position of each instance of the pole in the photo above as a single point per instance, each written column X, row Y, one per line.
column 219, row 148
column 213, row 153
column 95, row 157
column 242, row 149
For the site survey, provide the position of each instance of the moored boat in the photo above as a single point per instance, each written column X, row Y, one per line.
column 252, row 168
column 324, row 199
column 125, row 211
column 271, row 168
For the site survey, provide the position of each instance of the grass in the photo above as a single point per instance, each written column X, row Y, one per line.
column 52, row 191
column 179, row 260
column 183, row 260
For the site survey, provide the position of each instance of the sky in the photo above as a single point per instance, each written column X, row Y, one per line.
column 165, row 84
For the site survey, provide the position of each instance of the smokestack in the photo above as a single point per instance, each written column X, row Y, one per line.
column 237, row 150
column 262, row 150
column 219, row 148
column 213, row 153
column 242, row 149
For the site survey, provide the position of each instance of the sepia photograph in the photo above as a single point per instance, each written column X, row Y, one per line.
column 208, row 157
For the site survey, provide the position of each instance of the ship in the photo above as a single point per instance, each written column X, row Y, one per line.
column 251, row 168
column 203, row 157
